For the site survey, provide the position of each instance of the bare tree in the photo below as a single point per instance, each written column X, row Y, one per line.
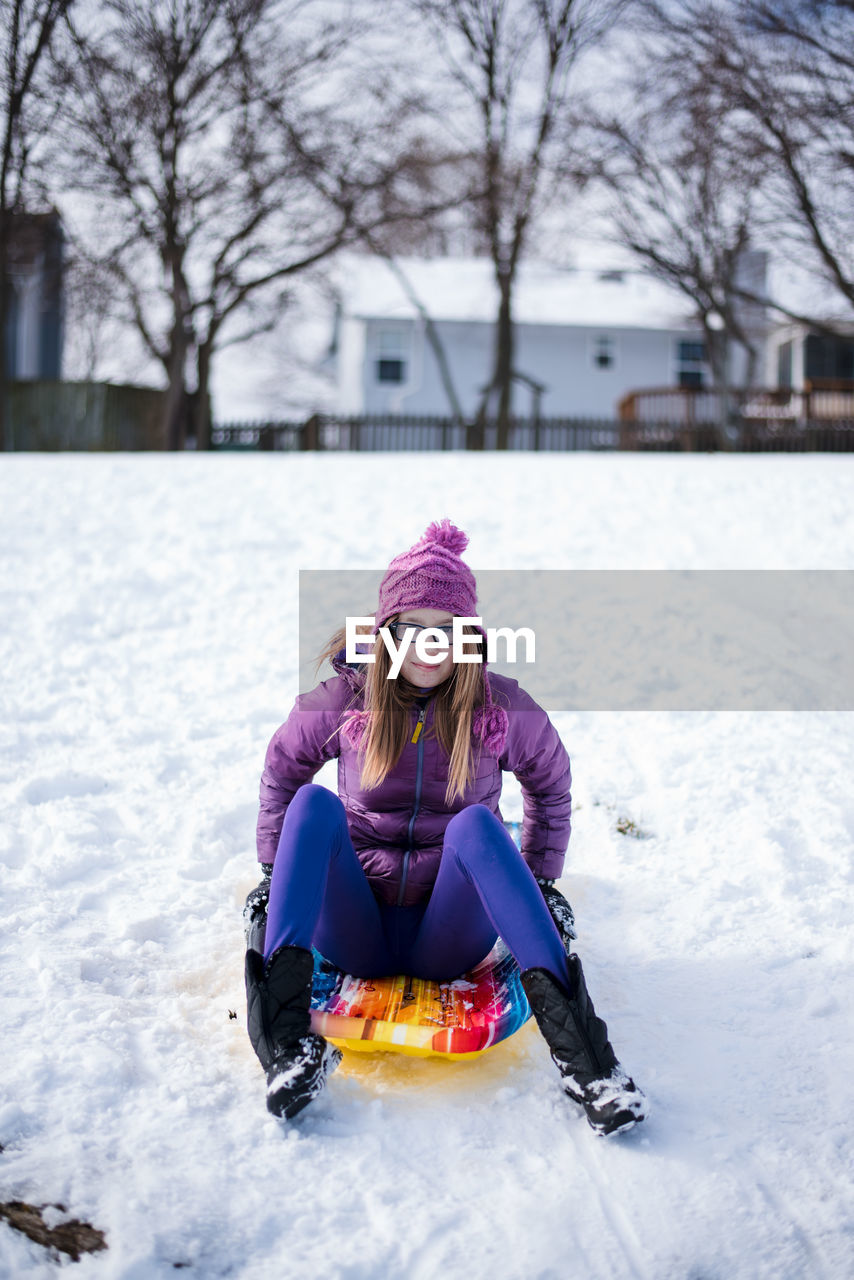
column 395, row 189
column 512, row 61
column 90, row 317
column 788, row 68
column 27, row 28
column 683, row 173
column 188, row 128
column 434, row 190
column 800, row 93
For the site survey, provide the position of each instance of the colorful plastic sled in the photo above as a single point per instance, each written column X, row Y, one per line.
column 413, row 1015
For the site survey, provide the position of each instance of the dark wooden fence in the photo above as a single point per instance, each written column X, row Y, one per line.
column 52, row 416
column 557, row 435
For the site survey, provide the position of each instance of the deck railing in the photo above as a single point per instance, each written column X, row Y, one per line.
column 821, row 401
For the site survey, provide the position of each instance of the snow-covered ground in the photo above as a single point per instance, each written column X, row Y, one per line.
column 148, row 652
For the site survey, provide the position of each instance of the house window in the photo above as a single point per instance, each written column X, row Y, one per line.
column 828, row 357
column 390, row 370
column 604, row 352
column 690, row 363
column 391, row 356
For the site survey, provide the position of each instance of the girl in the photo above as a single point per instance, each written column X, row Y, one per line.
column 410, row 868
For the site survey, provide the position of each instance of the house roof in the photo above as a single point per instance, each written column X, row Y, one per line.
column 465, row 289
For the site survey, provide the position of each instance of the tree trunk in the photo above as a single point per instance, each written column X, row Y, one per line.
column 177, row 400
column 717, row 345
column 751, row 366
column 5, row 427
column 499, row 390
column 503, row 374
column 203, row 406
column 175, row 407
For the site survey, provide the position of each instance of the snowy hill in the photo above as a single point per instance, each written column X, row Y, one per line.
column 148, row 652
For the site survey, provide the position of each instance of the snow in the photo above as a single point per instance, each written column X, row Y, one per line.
column 457, row 288
column 148, row 653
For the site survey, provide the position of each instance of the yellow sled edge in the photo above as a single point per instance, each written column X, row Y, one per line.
column 411, row 1050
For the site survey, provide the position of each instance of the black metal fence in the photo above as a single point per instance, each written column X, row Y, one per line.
column 392, row 434
column 556, row 435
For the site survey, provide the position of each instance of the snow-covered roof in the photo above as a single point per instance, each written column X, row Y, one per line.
column 465, row 289
column 603, row 289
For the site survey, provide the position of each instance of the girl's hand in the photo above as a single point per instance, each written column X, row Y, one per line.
column 560, row 910
column 255, row 910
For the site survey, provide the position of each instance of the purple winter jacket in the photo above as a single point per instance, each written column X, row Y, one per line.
column 379, row 819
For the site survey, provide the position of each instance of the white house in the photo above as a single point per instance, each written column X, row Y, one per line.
column 584, row 337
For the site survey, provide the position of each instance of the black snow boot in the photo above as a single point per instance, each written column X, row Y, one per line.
column 581, row 1051
column 296, row 1059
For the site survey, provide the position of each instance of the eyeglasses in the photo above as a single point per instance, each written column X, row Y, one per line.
column 399, row 630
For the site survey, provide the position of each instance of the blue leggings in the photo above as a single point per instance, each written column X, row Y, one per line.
column 321, row 897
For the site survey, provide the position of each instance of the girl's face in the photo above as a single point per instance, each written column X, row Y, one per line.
column 416, row 672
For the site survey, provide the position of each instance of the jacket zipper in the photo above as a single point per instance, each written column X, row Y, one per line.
column 419, row 770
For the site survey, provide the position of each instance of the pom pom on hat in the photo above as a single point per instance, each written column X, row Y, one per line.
column 444, row 534
column 355, row 728
column 490, row 724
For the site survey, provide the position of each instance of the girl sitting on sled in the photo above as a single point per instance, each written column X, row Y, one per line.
column 410, row 869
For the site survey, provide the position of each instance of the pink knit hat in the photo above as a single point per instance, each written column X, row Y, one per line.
column 431, row 575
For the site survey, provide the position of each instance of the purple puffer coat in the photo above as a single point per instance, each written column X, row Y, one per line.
column 398, row 827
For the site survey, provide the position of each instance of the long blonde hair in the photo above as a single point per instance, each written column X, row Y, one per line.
column 389, row 702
